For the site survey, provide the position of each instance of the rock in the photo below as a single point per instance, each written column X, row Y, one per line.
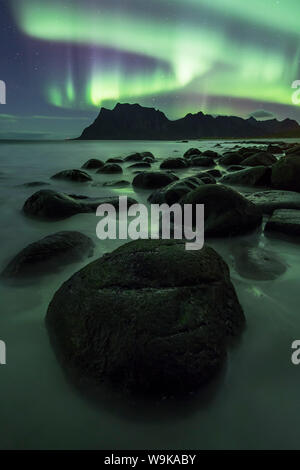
column 286, row 173
column 46, row 254
column 93, row 164
column 211, row 154
column 149, row 318
column 215, row 173
column 275, row 149
column 47, row 204
column 116, row 184
column 115, row 160
column 153, row 180
column 226, row 211
column 256, row 176
column 257, row 263
column 148, row 155
column 260, row 159
column 235, row 168
column 173, row 163
column 231, row 158
column 140, row 165
column 295, row 149
column 286, row 221
column 73, row 175
column 110, row 168
column 202, row 161
column 192, row 151
column 269, row 201
column 173, row 192
column 138, row 157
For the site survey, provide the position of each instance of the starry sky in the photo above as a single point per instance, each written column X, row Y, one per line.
column 62, row 60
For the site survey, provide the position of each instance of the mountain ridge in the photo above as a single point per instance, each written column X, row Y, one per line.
column 135, row 122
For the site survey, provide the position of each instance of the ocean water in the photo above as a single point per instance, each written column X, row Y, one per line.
column 253, row 404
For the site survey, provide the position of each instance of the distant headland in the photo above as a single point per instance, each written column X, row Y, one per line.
column 135, row 122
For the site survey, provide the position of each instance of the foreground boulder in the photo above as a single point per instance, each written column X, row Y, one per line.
column 48, row 253
column 285, row 221
column 148, row 318
column 257, row 176
column 173, row 163
column 260, row 159
column 286, row 173
column 269, row 201
column 226, row 211
column 153, row 180
column 47, row 204
column 93, row 164
column 72, row 175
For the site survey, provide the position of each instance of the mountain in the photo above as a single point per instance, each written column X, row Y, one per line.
column 135, row 122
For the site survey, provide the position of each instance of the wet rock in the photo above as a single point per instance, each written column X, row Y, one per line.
column 53, row 205
column 149, row 318
column 226, row 211
column 215, row 173
column 115, row 160
column 110, row 168
column 138, row 157
column 32, row 184
column 275, row 149
column 253, row 262
column 116, row 184
column 192, row 151
column 260, row 159
column 153, row 180
column 173, row 163
column 72, row 175
column 43, row 256
column 286, row 221
column 231, row 158
column 235, row 168
column 256, row 176
column 93, row 164
column 286, row 173
column 202, row 161
column 269, row 201
column 140, row 165
column 211, row 154
column 173, row 192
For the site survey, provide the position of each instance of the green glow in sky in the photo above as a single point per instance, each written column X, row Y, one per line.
column 208, row 60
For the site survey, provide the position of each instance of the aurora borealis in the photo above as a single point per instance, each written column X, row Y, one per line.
column 67, row 58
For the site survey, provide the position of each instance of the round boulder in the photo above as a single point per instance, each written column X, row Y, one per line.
column 72, row 175
column 153, row 180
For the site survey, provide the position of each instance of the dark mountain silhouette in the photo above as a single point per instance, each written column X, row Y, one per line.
column 135, row 122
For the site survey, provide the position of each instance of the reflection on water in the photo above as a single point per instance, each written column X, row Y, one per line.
column 252, row 404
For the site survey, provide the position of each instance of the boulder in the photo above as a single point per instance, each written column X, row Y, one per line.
column 286, row 173
column 256, row 176
column 115, row 160
column 260, row 159
column 173, row 192
column 43, row 256
column 275, row 149
column 110, row 168
column 202, row 161
column 231, row 158
column 116, row 184
column 150, row 318
column 53, row 205
column 226, row 211
column 210, row 154
column 215, row 173
column 192, row 151
column 153, row 180
column 269, row 201
column 92, row 164
column 72, row 175
column 286, row 221
column 173, row 163
column 140, row 165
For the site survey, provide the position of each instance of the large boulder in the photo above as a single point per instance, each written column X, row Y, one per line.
column 93, row 164
column 211, row 154
column 260, row 159
column 52, row 205
column 269, row 201
column 153, row 180
column 73, row 175
column 226, row 211
column 286, row 173
column 149, row 318
column 231, row 158
column 286, row 221
column 173, row 192
column 173, row 163
column 139, row 157
column 202, row 161
column 48, row 253
column 257, row 176
column 192, row 151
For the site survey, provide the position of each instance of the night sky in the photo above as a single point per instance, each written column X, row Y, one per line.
column 63, row 60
